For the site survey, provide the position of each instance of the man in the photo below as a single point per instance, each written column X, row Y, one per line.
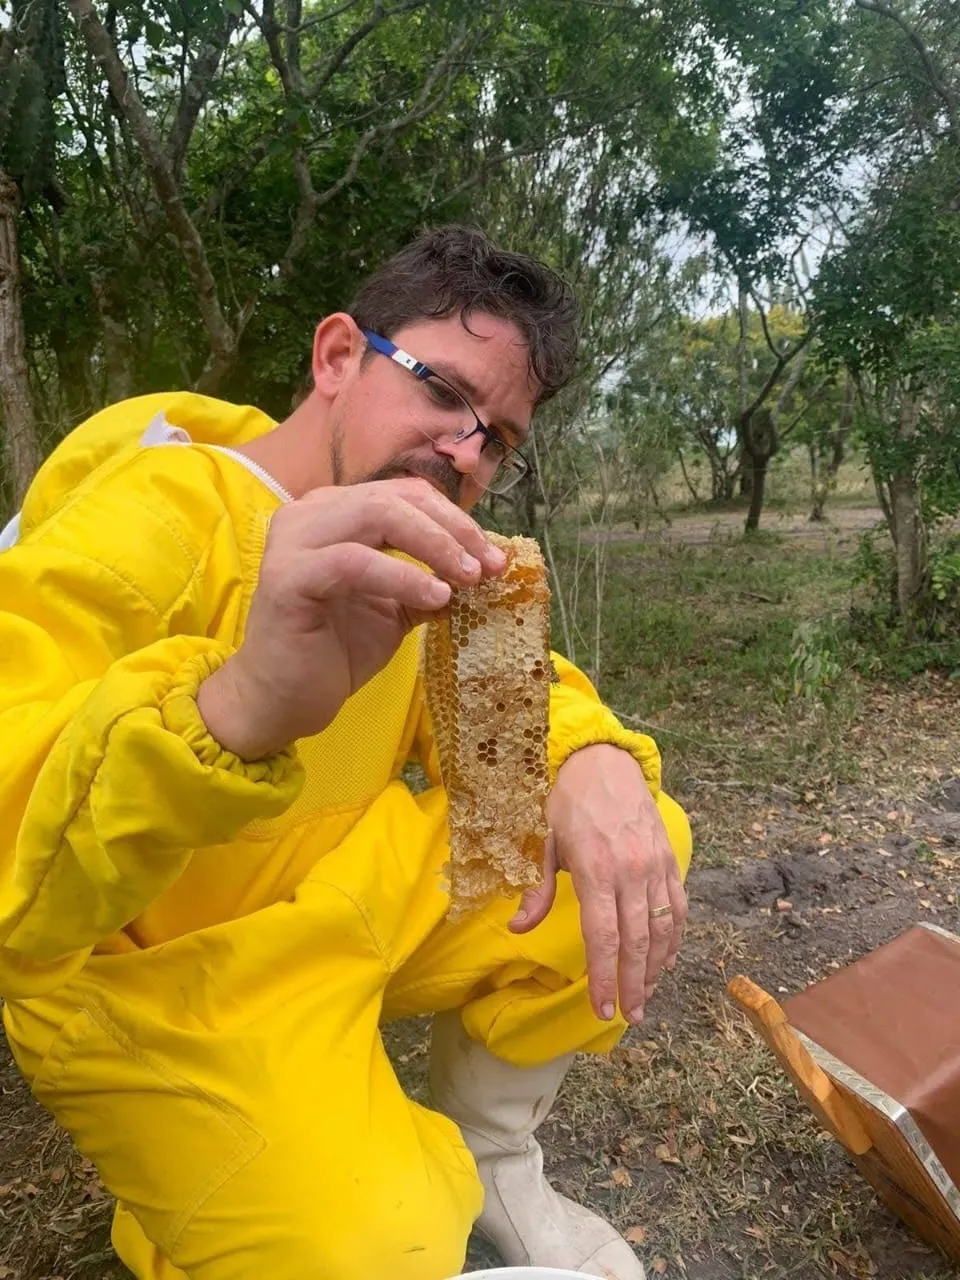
column 215, row 885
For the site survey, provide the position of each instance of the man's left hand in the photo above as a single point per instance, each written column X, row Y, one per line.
column 606, row 832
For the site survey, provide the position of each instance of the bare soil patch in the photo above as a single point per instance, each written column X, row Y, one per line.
column 695, row 529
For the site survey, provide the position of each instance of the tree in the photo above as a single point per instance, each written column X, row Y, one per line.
column 887, row 300
column 31, row 77
column 731, row 385
column 826, row 429
column 248, row 162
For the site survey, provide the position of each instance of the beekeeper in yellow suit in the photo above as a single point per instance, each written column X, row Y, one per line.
column 215, row 887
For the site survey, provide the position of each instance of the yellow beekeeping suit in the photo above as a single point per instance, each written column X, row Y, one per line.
column 196, row 952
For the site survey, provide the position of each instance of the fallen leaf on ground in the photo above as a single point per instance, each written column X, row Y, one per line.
column 636, row 1235
column 665, row 1155
column 621, row 1178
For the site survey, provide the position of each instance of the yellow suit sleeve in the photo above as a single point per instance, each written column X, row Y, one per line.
column 109, row 777
column 577, row 719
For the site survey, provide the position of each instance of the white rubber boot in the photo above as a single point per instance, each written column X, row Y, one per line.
column 498, row 1107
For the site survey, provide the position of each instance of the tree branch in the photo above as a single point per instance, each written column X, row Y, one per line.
column 221, row 336
column 196, row 91
column 934, row 78
column 792, row 379
column 782, row 361
column 742, row 343
column 327, row 16
column 336, row 60
column 811, row 400
column 774, row 349
column 313, row 201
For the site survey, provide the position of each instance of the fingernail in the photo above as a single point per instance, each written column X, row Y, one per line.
column 670, row 966
column 438, row 591
column 607, row 1011
column 495, row 556
column 520, row 917
column 468, row 564
column 648, row 991
column 636, row 1016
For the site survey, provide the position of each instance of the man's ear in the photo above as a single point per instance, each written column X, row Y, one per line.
column 337, row 348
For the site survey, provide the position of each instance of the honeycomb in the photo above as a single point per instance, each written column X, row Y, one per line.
column 487, row 677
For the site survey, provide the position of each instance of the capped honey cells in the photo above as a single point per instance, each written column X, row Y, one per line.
column 487, row 676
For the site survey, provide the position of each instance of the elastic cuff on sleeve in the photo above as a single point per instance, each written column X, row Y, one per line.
column 181, row 716
column 610, row 731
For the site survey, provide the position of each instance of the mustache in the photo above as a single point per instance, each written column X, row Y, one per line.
column 436, row 469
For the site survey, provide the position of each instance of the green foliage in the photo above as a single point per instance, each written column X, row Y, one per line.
column 814, row 664
column 880, row 643
column 886, row 304
column 887, row 300
column 945, row 576
column 683, row 383
column 23, row 118
column 32, row 76
column 780, row 154
column 426, row 116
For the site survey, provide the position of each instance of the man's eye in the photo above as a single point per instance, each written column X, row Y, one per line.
column 443, row 395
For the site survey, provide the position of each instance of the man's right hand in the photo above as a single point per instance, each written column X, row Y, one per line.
column 331, row 607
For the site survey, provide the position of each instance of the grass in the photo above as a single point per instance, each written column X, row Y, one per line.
column 698, row 643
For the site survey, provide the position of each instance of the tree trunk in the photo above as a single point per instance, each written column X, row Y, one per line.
column 817, row 490
column 759, row 471
column 114, row 331
column 21, row 446
column 686, row 479
column 726, row 482
column 759, row 445
column 530, row 506
column 524, row 499
column 910, row 542
column 908, row 531
column 823, row 480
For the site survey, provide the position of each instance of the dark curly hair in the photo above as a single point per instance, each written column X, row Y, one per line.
column 459, row 270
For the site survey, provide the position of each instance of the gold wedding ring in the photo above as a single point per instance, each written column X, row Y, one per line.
column 661, row 911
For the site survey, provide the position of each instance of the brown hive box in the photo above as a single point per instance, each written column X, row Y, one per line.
column 875, row 1052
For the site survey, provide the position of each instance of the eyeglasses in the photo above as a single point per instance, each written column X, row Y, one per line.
column 500, row 466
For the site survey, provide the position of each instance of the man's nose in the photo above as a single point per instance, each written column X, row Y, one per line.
column 463, row 454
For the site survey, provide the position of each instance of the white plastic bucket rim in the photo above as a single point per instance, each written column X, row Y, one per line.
column 522, row 1273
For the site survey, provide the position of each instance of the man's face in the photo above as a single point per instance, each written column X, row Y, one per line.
column 385, row 422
